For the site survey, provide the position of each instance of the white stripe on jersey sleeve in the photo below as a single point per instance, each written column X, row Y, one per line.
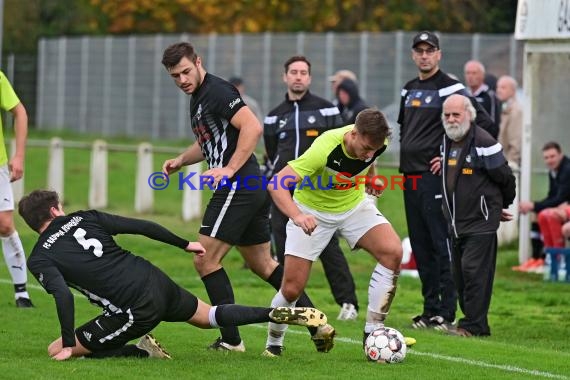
column 489, row 151
column 404, row 92
column 451, row 89
column 270, row 119
column 331, row 111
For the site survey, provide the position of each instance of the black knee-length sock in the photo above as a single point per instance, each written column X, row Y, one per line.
column 220, row 291
column 237, row 315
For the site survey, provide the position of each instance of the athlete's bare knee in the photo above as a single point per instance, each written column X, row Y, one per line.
column 389, row 256
column 397, row 253
column 291, row 291
column 205, row 265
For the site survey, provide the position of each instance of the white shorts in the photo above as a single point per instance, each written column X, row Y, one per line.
column 6, row 193
column 352, row 225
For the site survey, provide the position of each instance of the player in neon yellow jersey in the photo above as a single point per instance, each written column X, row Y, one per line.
column 338, row 157
column 10, row 171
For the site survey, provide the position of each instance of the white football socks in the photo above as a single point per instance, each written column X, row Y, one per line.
column 381, row 292
column 16, row 262
column 276, row 331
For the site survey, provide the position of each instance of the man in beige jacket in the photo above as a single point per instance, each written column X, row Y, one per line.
column 510, row 137
column 510, row 131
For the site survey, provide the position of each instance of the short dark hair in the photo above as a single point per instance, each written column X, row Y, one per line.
column 35, row 207
column 174, row 53
column 552, row 145
column 297, row 58
column 372, row 123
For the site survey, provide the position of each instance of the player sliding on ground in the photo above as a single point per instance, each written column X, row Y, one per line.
column 78, row 251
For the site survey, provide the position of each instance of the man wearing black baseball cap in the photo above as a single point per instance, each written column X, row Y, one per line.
column 421, row 133
column 427, row 37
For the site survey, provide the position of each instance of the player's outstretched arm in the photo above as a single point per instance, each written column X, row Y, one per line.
column 115, row 224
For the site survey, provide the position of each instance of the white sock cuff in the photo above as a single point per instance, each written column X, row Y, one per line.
column 371, row 326
column 212, row 316
column 383, row 271
column 279, row 300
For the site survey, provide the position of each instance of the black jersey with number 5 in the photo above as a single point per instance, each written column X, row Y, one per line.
column 78, row 251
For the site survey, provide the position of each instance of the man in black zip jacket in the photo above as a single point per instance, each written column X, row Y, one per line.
column 477, row 186
column 420, row 138
column 288, row 131
column 558, row 193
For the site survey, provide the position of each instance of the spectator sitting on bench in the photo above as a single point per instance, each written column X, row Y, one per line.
column 558, row 193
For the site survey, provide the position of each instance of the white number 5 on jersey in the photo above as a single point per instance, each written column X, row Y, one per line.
column 79, row 235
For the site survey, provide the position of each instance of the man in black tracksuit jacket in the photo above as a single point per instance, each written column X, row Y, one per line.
column 288, row 131
column 477, row 185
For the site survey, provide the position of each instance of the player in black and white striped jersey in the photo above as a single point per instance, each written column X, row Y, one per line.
column 226, row 133
column 78, row 251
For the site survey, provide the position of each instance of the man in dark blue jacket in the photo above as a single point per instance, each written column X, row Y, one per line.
column 477, row 186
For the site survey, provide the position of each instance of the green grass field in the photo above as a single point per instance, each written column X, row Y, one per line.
column 529, row 318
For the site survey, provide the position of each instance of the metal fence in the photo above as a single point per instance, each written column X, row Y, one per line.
column 117, row 86
column 21, row 71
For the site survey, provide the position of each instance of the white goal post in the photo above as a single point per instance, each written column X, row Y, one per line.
column 544, row 25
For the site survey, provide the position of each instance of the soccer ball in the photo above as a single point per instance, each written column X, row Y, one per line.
column 385, row 345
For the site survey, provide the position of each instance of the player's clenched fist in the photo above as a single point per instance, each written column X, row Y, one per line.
column 307, row 222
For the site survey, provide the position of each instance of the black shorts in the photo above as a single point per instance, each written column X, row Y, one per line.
column 161, row 300
column 238, row 215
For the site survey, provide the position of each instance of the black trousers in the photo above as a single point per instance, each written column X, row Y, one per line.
column 536, row 241
column 430, row 244
column 474, row 258
column 334, row 262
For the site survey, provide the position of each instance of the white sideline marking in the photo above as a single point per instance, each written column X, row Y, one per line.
column 476, row 363
column 32, row 286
